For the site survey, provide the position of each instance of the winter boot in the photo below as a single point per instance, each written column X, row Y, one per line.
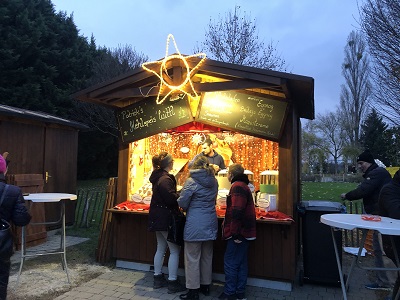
column 205, row 289
column 175, row 286
column 159, row 281
column 191, row 295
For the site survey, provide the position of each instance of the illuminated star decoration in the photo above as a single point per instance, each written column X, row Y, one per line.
column 198, row 138
column 159, row 68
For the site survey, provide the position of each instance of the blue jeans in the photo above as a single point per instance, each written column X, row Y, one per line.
column 173, row 260
column 235, row 267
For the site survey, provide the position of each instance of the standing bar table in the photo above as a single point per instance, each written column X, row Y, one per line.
column 386, row 226
column 47, row 198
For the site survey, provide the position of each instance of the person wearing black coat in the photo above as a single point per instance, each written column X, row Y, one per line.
column 375, row 178
column 389, row 206
column 163, row 203
column 13, row 210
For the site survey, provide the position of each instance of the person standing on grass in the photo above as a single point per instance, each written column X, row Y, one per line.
column 239, row 227
column 375, row 178
column 163, row 202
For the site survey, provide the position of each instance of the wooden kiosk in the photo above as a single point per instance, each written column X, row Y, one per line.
column 253, row 116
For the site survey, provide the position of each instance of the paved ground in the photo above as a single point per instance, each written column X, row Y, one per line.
column 117, row 283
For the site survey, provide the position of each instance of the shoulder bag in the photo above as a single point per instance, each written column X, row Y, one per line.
column 176, row 227
column 6, row 239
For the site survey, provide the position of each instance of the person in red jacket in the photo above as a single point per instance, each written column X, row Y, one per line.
column 12, row 209
column 239, row 227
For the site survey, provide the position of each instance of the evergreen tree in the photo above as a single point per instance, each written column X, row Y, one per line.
column 43, row 59
column 374, row 137
column 393, row 134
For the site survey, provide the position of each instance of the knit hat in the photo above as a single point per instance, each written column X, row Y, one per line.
column 3, row 165
column 366, row 156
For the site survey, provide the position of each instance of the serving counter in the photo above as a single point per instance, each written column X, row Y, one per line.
column 271, row 255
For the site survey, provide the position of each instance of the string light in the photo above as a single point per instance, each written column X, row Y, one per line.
column 159, row 68
column 255, row 154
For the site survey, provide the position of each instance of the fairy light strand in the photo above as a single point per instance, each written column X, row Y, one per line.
column 159, row 68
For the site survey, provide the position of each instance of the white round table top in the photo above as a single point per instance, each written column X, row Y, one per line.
column 350, row 221
column 49, row 197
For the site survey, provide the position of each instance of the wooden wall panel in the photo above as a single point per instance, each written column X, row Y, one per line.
column 25, row 144
column 36, row 147
column 35, row 234
column 270, row 255
column 61, row 160
column 60, row 156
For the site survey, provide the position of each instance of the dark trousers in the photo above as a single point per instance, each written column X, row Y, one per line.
column 235, row 267
column 387, row 246
column 5, row 265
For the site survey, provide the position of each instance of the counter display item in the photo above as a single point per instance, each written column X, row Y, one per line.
column 221, row 198
column 268, row 202
column 269, row 182
column 222, row 178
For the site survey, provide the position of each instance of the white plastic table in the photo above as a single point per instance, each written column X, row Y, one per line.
column 47, row 198
column 386, row 226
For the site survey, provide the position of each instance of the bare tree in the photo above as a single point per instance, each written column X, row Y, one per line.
column 356, row 92
column 234, row 39
column 109, row 64
column 330, row 129
column 113, row 62
column 380, row 21
column 313, row 149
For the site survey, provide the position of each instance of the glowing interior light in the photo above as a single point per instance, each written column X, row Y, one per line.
column 159, row 68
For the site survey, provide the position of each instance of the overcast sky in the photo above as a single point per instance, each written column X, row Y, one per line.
column 309, row 34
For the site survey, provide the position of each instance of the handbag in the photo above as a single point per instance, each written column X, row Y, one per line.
column 176, row 227
column 6, row 239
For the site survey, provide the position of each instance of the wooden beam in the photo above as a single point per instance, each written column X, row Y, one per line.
column 224, row 72
column 237, row 84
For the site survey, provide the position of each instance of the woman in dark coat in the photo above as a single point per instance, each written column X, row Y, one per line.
column 163, row 202
column 12, row 210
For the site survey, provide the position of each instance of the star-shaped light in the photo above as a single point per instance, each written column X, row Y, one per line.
column 159, row 68
column 198, row 138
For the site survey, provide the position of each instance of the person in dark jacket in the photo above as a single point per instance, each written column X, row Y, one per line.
column 163, row 202
column 239, row 227
column 215, row 159
column 13, row 210
column 375, row 178
column 389, row 206
column 197, row 198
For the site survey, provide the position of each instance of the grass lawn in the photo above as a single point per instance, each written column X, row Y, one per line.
column 325, row 190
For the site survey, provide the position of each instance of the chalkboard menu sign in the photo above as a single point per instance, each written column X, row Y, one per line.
column 146, row 118
column 245, row 113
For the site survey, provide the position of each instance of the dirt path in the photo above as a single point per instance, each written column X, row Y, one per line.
column 46, row 281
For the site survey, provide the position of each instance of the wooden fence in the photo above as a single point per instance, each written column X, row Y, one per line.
column 89, row 208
